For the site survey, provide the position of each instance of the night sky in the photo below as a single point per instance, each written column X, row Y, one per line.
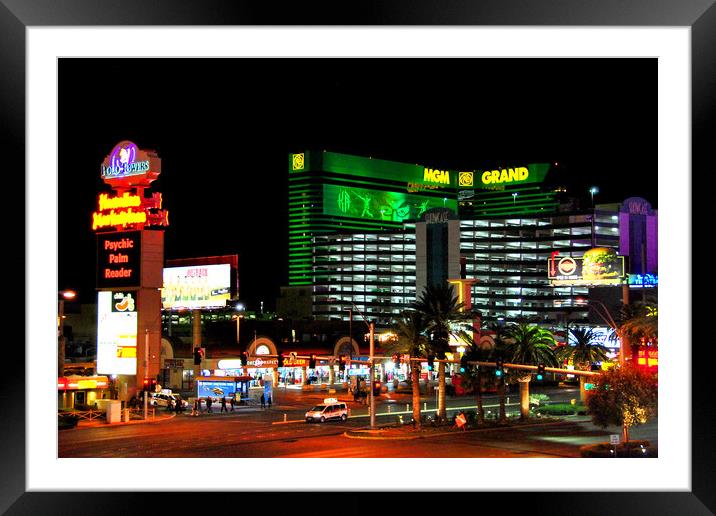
column 224, row 128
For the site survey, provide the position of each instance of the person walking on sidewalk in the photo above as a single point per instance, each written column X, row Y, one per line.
column 195, row 407
column 269, row 401
column 233, row 402
column 223, row 404
column 208, row 404
column 263, row 400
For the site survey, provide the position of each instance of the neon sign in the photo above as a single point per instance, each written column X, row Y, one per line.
column 128, row 166
column 506, row 175
column 129, row 210
column 643, row 280
column 436, row 176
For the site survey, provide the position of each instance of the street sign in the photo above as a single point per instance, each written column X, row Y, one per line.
column 614, row 439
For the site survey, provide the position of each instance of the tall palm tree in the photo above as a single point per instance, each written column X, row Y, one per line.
column 473, row 377
column 531, row 345
column 410, row 328
column 583, row 349
column 442, row 311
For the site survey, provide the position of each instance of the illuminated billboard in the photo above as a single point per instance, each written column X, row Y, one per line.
column 362, row 203
column 119, row 259
column 201, row 286
column 598, row 266
column 116, row 333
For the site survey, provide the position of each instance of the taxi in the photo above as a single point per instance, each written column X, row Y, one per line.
column 331, row 408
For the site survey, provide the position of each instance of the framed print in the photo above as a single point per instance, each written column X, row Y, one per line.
column 381, row 82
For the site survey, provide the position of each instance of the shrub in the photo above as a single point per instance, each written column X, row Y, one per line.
column 562, row 409
column 66, row 420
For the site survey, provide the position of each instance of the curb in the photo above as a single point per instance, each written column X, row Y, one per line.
column 439, row 434
column 121, row 423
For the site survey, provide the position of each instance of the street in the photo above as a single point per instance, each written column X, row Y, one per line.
column 282, row 432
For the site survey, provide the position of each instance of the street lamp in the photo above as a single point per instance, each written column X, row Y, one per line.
column 69, row 295
column 371, row 397
column 592, row 191
column 514, row 198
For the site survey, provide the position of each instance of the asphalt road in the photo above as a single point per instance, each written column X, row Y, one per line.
column 262, row 433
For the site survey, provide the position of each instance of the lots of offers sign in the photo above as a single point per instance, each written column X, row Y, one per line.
column 116, row 333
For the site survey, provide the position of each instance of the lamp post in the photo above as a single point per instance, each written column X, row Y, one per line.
column 514, row 199
column 69, row 295
column 371, row 398
column 592, row 191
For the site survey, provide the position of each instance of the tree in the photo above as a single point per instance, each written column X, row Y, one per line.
column 473, row 377
column 531, row 345
column 583, row 349
column 624, row 396
column 410, row 329
column 442, row 312
column 640, row 323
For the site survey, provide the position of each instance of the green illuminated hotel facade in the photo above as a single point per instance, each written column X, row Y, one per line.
column 370, row 234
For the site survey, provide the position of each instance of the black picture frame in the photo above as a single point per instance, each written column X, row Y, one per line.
column 16, row 16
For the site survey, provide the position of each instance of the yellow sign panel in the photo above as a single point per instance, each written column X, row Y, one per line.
column 436, row 176
column 298, row 162
column 87, row 384
column 506, row 175
column 465, row 179
column 126, row 352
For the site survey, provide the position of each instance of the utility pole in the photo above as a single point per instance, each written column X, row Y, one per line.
column 146, row 368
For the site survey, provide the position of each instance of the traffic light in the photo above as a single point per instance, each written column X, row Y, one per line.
column 244, row 359
column 341, row 363
column 498, row 367
column 540, row 372
column 431, row 359
column 312, row 362
column 197, row 356
column 463, row 364
column 152, row 385
column 396, row 359
column 280, row 360
column 146, row 385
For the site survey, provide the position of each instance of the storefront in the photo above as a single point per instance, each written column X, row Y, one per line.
column 79, row 392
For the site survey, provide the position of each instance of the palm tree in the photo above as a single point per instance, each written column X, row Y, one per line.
column 441, row 310
column 410, row 329
column 640, row 323
column 583, row 349
column 531, row 345
column 472, row 377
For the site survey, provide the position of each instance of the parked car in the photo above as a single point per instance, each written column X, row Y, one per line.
column 160, row 399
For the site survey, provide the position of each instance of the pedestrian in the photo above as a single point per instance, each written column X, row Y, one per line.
column 233, row 402
column 195, row 407
column 223, row 404
column 208, row 404
column 263, row 400
column 269, row 401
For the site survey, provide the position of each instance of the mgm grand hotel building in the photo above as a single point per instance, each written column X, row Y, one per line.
column 368, row 235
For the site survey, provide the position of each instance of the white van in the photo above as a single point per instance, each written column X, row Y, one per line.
column 330, row 409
